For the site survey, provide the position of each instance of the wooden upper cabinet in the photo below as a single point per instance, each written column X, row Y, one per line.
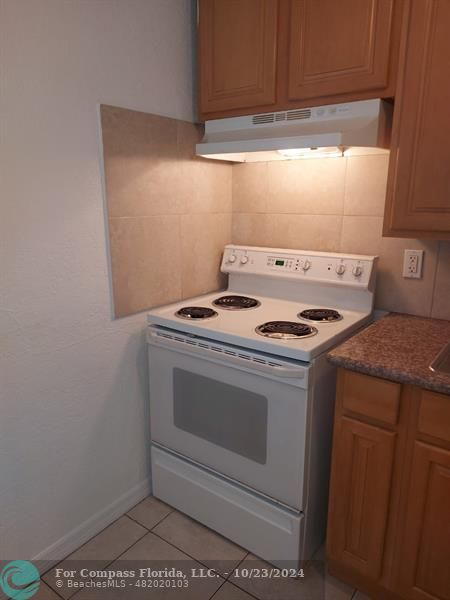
column 418, row 194
column 237, row 54
column 339, row 47
column 264, row 55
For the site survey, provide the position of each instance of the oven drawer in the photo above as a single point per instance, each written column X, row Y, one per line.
column 233, row 420
column 272, row 532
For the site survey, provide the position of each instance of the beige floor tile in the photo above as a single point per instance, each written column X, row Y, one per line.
column 154, row 553
column 45, row 593
column 203, row 237
column 309, row 187
column 393, row 291
column 316, row 585
column 200, row 542
column 150, row 512
column 365, row 185
column 304, row 232
column 146, row 262
column 361, row 235
column 441, row 295
column 98, row 551
column 250, row 185
column 230, row 592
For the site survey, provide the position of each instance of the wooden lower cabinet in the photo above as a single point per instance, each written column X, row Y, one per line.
column 389, row 509
column 425, row 566
column 363, row 460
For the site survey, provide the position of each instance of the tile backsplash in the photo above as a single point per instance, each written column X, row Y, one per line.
column 337, row 205
column 170, row 214
column 166, row 210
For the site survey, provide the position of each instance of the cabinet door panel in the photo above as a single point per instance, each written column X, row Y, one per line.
column 363, row 458
column 237, row 53
column 424, row 570
column 419, row 177
column 339, row 47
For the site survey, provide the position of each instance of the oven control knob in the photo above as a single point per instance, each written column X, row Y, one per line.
column 340, row 269
column 232, row 258
column 244, row 260
column 306, row 265
column 357, row 271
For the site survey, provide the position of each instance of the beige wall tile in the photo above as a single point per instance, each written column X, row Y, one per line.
column 250, row 229
column 309, row 187
column 208, row 183
column 361, row 235
column 202, row 240
column 250, row 187
column 304, row 232
column 145, row 261
column 394, row 292
column 365, row 185
column 141, row 163
column 151, row 170
column 441, row 297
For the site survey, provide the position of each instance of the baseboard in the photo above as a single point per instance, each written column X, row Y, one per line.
column 74, row 539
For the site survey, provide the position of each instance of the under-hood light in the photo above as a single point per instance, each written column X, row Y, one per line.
column 329, row 152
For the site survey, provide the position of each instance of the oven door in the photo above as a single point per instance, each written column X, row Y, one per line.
column 238, row 412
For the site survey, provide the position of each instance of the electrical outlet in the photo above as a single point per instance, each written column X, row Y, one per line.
column 412, row 264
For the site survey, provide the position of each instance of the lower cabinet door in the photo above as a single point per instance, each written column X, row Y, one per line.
column 363, row 457
column 425, row 562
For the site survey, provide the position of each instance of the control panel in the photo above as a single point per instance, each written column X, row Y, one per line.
column 346, row 269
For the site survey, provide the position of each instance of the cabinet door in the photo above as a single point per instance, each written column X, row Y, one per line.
column 418, row 195
column 237, row 54
column 363, row 458
column 425, row 560
column 339, row 47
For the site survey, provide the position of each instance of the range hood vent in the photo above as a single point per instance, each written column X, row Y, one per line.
column 290, row 115
column 332, row 130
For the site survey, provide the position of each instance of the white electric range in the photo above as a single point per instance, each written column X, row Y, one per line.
column 242, row 396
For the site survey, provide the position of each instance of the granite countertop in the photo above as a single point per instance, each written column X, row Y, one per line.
column 397, row 347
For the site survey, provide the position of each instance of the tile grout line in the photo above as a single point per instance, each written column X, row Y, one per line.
column 145, row 527
column 220, row 586
column 109, row 563
column 197, row 560
column 85, row 543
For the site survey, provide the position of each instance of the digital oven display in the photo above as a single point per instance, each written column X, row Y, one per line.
column 279, row 262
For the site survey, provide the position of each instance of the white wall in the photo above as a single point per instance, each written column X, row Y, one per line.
column 73, row 410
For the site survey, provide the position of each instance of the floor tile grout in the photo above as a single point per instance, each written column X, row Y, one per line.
column 225, row 578
column 244, row 590
column 197, row 560
column 114, row 559
column 220, row 586
column 145, row 526
column 85, row 543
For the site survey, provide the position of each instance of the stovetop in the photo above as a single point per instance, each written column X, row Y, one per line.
column 238, row 327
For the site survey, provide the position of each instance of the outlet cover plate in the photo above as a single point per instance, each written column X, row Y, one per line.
column 412, row 264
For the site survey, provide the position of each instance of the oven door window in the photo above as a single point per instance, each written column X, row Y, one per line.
column 223, row 414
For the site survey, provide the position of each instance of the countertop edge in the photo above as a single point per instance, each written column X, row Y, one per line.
column 389, row 374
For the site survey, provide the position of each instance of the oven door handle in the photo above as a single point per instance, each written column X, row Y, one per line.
column 225, row 355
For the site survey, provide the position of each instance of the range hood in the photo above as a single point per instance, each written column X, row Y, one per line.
column 333, row 130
